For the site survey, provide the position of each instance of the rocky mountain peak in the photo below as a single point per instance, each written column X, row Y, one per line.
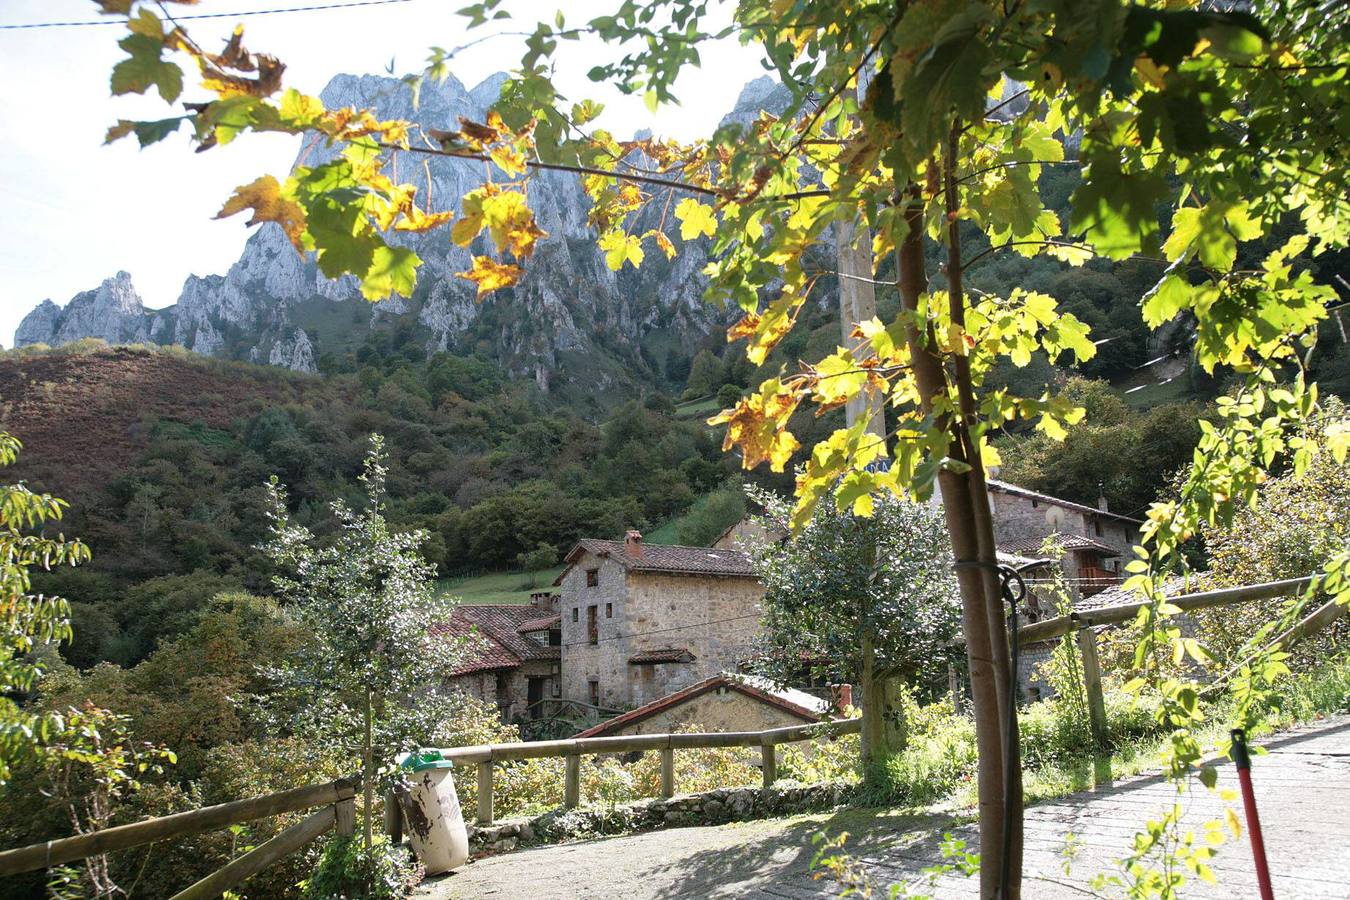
column 569, row 321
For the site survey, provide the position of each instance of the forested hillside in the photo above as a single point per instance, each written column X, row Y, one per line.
column 164, row 456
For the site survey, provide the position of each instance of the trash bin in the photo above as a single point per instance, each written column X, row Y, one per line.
column 435, row 823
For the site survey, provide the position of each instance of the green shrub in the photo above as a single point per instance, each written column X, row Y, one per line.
column 347, row 871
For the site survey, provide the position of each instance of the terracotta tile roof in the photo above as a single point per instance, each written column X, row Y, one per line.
column 1032, row 546
column 497, row 627
column 794, row 702
column 662, row 655
column 540, row 624
column 1019, row 491
column 666, row 559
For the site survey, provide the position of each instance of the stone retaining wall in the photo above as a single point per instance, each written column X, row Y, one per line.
column 710, row 808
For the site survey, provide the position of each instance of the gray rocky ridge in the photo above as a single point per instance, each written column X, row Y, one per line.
column 567, row 309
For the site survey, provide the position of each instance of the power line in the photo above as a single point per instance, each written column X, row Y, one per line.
column 221, row 15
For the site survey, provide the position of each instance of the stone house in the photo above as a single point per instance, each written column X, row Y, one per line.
column 642, row 621
column 1097, row 542
column 514, row 657
column 723, row 702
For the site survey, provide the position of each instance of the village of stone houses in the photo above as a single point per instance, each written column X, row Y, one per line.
column 659, row 449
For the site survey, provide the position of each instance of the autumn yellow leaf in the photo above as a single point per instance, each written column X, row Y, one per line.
column 264, row 197
column 490, row 275
column 758, row 425
column 695, row 219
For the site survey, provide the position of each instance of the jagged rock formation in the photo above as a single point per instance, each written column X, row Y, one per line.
column 570, row 319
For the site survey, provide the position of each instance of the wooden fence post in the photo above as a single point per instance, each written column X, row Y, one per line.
column 485, row 793
column 344, row 812
column 768, row 754
column 1092, row 682
column 571, row 781
column 667, row 772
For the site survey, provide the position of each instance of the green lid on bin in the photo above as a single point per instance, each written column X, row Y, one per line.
column 423, row 760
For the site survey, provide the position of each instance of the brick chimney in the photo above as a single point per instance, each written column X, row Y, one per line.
column 843, row 696
column 1101, row 497
column 632, row 544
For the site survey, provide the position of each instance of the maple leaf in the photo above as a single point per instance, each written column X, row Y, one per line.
column 695, row 219
column 758, row 425
column 393, row 270
column 145, row 68
column 620, row 248
column 490, row 275
column 264, row 197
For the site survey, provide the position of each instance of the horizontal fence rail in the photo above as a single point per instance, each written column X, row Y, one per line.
column 336, row 797
column 1114, row 615
column 572, row 749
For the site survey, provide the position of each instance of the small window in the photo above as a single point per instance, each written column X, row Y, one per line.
column 592, row 577
column 592, row 627
column 1034, row 503
column 576, row 613
column 609, row 610
column 1097, row 526
column 595, row 692
column 555, row 637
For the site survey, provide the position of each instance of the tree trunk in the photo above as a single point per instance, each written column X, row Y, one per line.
column 972, row 542
column 986, row 550
column 367, row 773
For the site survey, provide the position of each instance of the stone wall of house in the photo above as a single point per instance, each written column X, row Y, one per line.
column 715, row 618
column 638, row 611
column 728, row 711
column 710, row 808
column 582, row 661
column 1025, row 518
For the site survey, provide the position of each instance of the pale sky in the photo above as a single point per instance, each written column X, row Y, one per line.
column 76, row 211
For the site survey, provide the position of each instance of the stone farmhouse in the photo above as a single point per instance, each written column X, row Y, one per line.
column 1096, row 541
column 640, row 621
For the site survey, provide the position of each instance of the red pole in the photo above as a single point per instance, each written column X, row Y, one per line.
column 1243, row 762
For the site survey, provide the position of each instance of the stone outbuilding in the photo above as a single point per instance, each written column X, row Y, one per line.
column 514, row 657
column 724, row 702
column 642, row 621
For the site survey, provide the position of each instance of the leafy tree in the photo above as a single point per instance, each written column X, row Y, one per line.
column 706, row 373
column 28, row 622
column 728, row 395
column 889, row 124
column 367, row 600
column 1115, row 452
column 92, row 764
column 1300, row 520
column 861, row 599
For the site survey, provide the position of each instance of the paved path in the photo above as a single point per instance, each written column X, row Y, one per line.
column 1302, row 786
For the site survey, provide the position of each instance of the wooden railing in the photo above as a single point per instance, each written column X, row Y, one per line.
column 336, row 800
column 572, row 749
column 1083, row 622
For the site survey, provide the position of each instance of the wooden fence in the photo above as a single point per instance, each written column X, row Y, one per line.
column 571, row 751
column 336, row 801
column 1083, row 623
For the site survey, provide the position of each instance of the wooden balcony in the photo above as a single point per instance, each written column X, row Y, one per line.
column 1093, row 580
